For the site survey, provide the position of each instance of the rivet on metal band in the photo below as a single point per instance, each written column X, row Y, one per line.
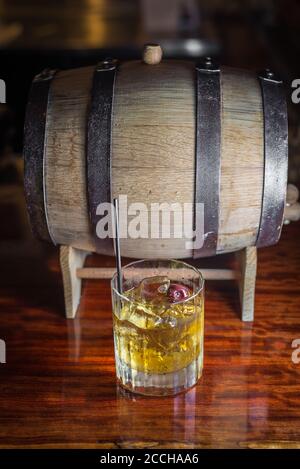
column 34, row 143
column 208, row 150
column 275, row 158
column 99, row 146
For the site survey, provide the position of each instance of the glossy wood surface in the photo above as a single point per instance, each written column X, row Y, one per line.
column 58, row 388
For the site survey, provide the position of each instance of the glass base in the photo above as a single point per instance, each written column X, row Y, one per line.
column 153, row 384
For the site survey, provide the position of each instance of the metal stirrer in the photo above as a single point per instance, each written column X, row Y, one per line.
column 117, row 245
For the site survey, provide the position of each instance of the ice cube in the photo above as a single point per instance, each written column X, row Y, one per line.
column 154, row 289
column 140, row 315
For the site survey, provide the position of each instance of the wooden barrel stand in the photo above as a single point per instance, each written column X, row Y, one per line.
column 73, row 272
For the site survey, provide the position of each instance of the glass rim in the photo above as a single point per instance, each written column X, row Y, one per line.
column 192, row 267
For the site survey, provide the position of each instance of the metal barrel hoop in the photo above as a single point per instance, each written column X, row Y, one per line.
column 275, row 158
column 208, row 153
column 99, row 146
column 34, row 154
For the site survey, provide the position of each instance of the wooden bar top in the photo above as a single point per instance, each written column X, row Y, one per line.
column 58, row 387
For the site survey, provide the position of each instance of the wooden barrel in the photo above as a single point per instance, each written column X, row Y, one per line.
column 160, row 146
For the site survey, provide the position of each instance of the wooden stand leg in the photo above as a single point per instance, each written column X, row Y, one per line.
column 247, row 261
column 71, row 259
